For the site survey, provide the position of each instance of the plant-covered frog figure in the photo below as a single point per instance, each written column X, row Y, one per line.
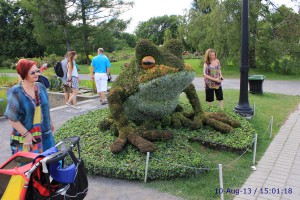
column 146, row 95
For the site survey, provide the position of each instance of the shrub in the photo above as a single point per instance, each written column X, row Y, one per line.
column 9, row 63
column 55, row 83
column 39, row 61
column 81, row 59
column 120, row 55
column 52, row 59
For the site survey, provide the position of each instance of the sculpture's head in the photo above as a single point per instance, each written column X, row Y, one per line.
column 154, row 80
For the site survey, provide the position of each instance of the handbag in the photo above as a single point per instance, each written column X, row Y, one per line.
column 212, row 84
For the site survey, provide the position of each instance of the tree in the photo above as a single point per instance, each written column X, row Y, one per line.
column 16, row 39
column 98, row 11
column 155, row 28
column 167, row 35
column 129, row 38
column 58, row 18
column 217, row 27
column 278, row 41
column 52, row 23
column 254, row 14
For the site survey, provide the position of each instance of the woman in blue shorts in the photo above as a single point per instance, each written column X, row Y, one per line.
column 73, row 79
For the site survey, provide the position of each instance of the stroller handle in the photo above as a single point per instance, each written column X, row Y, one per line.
column 68, row 151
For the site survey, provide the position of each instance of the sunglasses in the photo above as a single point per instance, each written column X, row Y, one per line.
column 34, row 72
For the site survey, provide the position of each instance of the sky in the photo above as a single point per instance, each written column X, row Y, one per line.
column 143, row 10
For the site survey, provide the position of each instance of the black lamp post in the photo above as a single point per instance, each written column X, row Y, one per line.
column 243, row 108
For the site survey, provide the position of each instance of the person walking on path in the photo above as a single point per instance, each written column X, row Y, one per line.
column 212, row 78
column 64, row 79
column 73, row 79
column 29, row 112
column 101, row 70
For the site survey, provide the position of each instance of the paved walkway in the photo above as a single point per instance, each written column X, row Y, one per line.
column 278, row 172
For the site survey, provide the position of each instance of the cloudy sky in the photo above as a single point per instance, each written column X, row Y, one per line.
column 145, row 9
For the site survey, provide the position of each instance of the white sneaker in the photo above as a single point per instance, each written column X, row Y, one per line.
column 68, row 105
column 76, row 107
column 104, row 103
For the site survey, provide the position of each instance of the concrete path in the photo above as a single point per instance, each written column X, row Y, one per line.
column 278, row 172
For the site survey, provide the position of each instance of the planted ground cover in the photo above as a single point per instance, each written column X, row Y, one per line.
column 130, row 163
column 165, row 163
column 238, row 140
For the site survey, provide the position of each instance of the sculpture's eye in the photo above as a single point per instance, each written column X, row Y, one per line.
column 148, row 62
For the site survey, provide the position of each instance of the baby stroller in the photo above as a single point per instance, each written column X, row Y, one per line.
column 55, row 174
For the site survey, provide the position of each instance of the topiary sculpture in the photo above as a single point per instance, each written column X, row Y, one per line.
column 146, row 95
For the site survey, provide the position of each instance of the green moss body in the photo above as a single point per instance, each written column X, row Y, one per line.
column 143, row 96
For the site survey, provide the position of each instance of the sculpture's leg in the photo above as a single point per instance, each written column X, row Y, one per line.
column 141, row 143
column 193, row 98
column 116, row 98
column 119, row 143
column 186, row 122
column 153, row 135
column 225, row 119
column 218, row 125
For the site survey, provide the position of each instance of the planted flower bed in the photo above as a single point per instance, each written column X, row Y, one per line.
column 168, row 161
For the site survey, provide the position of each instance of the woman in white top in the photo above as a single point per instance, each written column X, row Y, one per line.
column 73, row 79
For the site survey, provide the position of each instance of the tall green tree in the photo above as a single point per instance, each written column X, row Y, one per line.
column 278, row 45
column 98, row 11
column 154, row 29
column 52, row 23
column 215, row 25
column 16, row 39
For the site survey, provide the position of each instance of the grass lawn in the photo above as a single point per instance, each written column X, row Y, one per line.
column 234, row 173
column 228, row 71
column 115, row 67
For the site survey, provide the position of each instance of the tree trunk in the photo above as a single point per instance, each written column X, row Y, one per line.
column 68, row 45
column 85, row 31
column 252, row 50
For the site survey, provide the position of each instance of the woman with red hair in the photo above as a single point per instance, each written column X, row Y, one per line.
column 29, row 112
